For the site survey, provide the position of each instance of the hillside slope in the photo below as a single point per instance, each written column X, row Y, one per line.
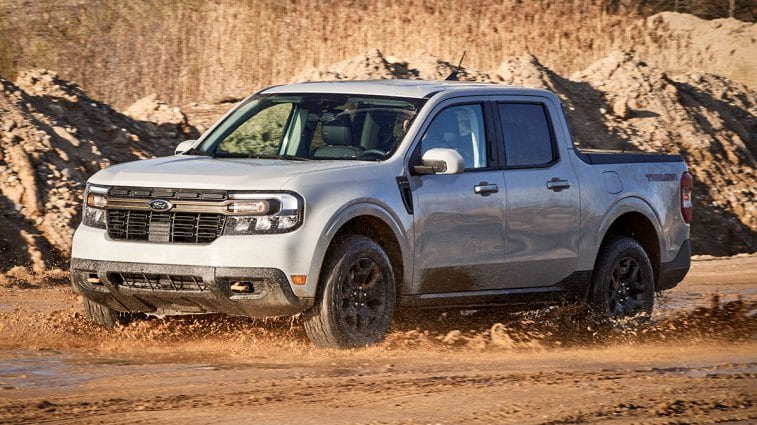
column 53, row 137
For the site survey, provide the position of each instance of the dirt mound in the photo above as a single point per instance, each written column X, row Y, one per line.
column 526, row 71
column 373, row 65
column 370, row 66
column 708, row 119
column 621, row 102
column 54, row 137
column 170, row 120
column 679, row 42
column 430, row 67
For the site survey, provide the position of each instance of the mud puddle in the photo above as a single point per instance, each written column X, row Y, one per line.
column 716, row 303
column 238, row 340
column 692, row 362
column 30, row 369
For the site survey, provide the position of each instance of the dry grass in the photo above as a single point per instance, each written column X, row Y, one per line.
column 201, row 50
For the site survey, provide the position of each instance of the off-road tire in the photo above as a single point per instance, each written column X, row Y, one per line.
column 356, row 296
column 622, row 282
column 106, row 316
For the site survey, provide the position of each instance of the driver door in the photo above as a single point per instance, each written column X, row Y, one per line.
column 459, row 219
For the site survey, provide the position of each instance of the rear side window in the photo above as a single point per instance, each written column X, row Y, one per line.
column 528, row 139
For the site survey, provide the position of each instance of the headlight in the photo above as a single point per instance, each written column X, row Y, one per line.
column 96, row 200
column 94, row 206
column 252, row 213
column 250, row 207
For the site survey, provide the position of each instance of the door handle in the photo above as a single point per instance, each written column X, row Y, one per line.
column 557, row 185
column 485, row 189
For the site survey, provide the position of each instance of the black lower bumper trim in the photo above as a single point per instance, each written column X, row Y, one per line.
column 673, row 272
column 149, row 288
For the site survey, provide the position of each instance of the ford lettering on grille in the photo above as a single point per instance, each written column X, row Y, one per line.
column 160, row 205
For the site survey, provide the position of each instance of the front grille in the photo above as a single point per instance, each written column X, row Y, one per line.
column 158, row 281
column 165, row 193
column 154, row 226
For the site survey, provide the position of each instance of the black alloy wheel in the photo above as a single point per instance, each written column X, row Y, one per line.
column 626, row 292
column 363, row 295
column 356, row 296
column 623, row 281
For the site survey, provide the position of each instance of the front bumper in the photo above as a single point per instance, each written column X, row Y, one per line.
column 170, row 288
column 291, row 253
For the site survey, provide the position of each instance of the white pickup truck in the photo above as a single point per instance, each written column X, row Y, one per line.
column 346, row 200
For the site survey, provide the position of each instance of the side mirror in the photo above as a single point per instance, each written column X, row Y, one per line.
column 440, row 161
column 183, row 147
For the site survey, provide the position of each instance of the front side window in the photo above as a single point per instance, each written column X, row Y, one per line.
column 528, row 141
column 313, row 126
column 460, row 128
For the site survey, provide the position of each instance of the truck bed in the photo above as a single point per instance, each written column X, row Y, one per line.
column 622, row 157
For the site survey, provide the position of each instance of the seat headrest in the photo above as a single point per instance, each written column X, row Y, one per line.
column 338, row 132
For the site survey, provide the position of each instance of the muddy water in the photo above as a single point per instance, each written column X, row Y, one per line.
column 694, row 361
column 713, row 319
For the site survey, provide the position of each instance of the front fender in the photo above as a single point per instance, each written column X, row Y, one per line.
column 355, row 209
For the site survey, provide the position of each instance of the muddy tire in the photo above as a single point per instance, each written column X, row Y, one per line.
column 106, row 316
column 356, row 296
column 623, row 282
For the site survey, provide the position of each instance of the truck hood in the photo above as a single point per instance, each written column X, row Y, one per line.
column 201, row 172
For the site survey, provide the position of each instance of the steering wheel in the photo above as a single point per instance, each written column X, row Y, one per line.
column 372, row 155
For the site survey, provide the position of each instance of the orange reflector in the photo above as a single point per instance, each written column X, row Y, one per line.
column 299, row 279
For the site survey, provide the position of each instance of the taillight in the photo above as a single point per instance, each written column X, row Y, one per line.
column 687, row 184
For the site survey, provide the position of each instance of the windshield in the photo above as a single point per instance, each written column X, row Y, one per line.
column 313, row 126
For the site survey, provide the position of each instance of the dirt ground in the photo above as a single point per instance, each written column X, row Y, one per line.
column 696, row 362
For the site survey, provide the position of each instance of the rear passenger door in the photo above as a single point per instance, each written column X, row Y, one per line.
column 542, row 194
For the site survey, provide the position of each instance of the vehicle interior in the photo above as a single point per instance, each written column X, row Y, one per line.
column 317, row 127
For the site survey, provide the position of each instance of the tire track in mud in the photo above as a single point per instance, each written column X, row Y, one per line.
column 626, row 393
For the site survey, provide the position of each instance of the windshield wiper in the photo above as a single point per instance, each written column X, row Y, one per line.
column 273, row 156
column 258, row 156
column 197, row 151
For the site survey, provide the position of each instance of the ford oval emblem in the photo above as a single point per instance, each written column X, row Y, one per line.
column 160, row 205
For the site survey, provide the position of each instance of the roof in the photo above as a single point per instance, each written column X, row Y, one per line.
column 400, row 88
